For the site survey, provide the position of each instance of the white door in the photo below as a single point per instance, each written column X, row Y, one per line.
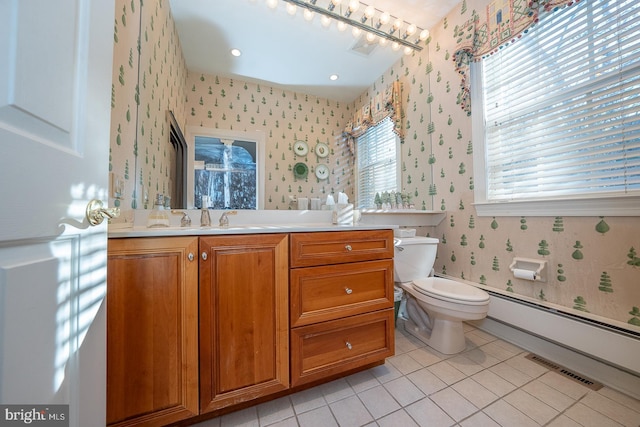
column 55, row 89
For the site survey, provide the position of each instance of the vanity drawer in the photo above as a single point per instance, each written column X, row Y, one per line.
column 337, row 247
column 330, row 292
column 324, row 349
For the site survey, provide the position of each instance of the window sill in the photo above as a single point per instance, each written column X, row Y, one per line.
column 602, row 206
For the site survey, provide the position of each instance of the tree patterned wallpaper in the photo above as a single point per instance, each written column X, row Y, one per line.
column 149, row 78
column 593, row 262
column 286, row 117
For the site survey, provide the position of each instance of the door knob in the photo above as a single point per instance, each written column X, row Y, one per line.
column 96, row 212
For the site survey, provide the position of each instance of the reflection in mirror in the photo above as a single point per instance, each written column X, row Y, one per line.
column 177, row 181
column 227, row 170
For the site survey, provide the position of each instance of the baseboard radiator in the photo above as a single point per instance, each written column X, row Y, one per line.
column 598, row 351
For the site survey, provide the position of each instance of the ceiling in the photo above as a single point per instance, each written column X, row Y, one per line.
column 287, row 51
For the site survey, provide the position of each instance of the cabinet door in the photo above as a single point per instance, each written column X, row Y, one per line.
column 152, row 330
column 244, row 337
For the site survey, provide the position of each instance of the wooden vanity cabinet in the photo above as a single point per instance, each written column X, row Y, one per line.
column 152, row 335
column 201, row 323
column 244, row 321
column 341, row 292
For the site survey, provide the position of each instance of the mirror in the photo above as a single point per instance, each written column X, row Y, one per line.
column 148, row 85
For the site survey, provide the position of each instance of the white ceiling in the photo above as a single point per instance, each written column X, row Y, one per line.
column 287, row 51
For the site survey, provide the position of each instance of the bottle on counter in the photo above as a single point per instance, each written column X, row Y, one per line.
column 158, row 217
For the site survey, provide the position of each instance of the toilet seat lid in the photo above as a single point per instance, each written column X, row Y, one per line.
column 450, row 290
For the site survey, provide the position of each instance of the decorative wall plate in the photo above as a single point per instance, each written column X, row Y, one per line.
column 300, row 170
column 322, row 149
column 322, row 172
column 300, row 148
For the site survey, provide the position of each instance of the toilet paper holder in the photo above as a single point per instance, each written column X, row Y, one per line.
column 529, row 269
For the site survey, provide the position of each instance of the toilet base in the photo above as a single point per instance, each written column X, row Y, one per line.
column 446, row 336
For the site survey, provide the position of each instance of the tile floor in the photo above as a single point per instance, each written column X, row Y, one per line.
column 489, row 384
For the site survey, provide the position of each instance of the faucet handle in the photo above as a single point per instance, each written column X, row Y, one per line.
column 185, row 221
column 224, row 221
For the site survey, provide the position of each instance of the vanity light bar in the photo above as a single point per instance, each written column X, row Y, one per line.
column 401, row 40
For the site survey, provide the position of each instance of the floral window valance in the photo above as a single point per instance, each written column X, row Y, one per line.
column 504, row 22
column 387, row 103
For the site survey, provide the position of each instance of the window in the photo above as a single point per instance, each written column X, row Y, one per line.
column 227, row 167
column 560, row 116
column 376, row 163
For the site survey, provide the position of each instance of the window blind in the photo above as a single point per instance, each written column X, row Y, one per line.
column 562, row 106
column 376, row 163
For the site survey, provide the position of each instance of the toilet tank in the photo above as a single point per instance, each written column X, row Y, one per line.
column 413, row 258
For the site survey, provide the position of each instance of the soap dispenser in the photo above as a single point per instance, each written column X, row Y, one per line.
column 158, row 217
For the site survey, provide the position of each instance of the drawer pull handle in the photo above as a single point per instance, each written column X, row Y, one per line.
column 349, row 346
column 190, row 256
column 348, row 248
column 349, row 291
column 204, row 256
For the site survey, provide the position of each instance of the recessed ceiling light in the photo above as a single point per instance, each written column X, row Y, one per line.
column 334, row 77
column 236, row 52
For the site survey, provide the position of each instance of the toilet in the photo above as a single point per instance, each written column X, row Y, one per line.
column 434, row 308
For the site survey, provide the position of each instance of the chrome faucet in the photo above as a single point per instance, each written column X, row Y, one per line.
column 224, row 221
column 205, row 219
column 185, row 221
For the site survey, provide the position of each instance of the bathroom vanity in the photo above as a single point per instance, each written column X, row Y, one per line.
column 208, row 321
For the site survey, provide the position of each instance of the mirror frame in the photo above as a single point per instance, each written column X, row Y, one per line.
column 258, row 136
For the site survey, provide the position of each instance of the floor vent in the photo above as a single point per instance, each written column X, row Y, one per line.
column 593, row 385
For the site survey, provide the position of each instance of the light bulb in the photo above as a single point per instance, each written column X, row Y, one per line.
column 272, row 4
column 411, row 29
column 356, row 32
column 369, row 12
column 371, row 37
column 384, row 18
column 308, row 14
column 407, row 50
column 424, row 34
column 397, row 24
column 291, row 9
column 341, row 26
column 383, row 41
column 395, row 45
column 325, row 21
column 354, row 5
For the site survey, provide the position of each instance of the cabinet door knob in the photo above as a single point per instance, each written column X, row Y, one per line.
column 348, row 247
column 348, row 344
column 348, row 291
column 204, row 256
column 191, row 257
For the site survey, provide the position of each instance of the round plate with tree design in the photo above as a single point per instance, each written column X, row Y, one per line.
column 300, row 148
column 322, row 172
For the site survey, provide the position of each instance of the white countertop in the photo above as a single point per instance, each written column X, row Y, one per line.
column 244, row 222
column 143, row 231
